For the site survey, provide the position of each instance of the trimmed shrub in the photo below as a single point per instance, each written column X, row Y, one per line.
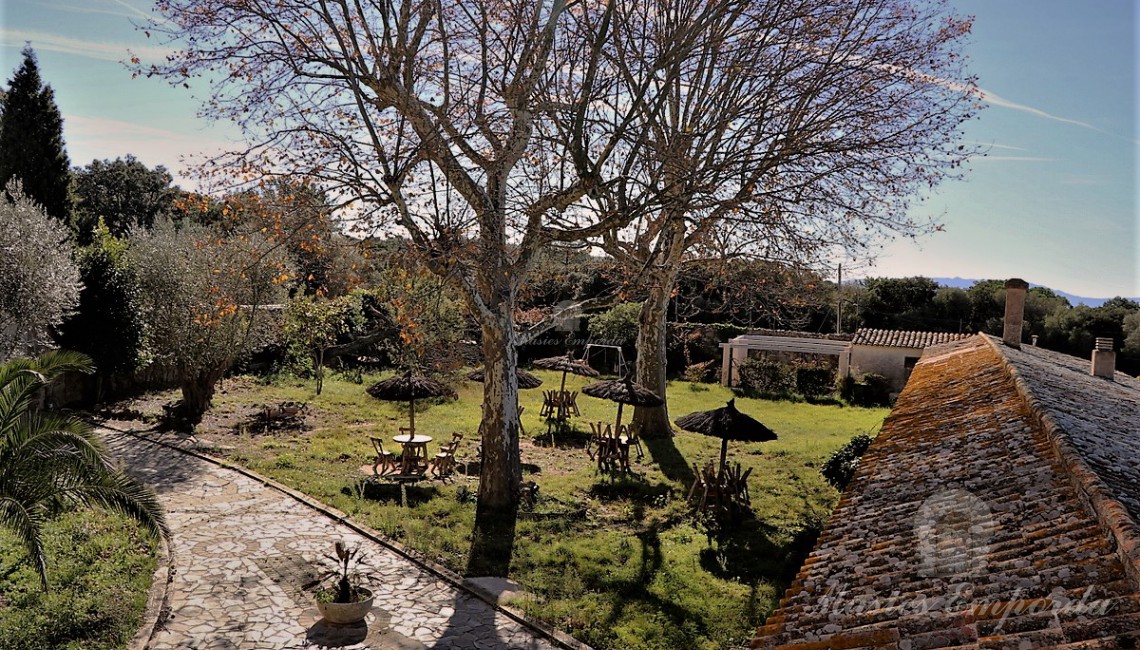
column 760, row 377
column 815, row 381
column 878, row 392
column 843, row 462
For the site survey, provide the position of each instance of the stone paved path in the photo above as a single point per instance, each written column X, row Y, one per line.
column 242, row 551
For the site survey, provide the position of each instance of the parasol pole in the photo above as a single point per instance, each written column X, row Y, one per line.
column 619, row 417
column 412, row 413
column 560, row 404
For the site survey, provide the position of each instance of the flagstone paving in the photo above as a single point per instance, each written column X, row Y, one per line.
column 243, row 550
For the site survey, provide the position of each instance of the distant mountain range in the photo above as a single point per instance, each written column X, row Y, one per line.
column 965, row 283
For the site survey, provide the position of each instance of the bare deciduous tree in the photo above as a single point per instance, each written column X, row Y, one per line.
column 791, row 128
column 484, row 130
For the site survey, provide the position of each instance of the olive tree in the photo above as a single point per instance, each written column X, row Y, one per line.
column 39, row 280
column 207, row 301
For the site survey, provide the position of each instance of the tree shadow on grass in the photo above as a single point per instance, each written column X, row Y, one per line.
column 474, row 467
column 492, row 542
column 750, row 551
column 673, row 465
column 561, row 435
column 638, row 493
column 636, row 590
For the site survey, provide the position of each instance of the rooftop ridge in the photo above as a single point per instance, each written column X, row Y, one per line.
column 904, row 338
column 1113, row 515
column 1018, row 532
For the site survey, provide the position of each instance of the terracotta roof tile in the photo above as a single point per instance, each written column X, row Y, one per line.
column 968, row 523
column 904, row 339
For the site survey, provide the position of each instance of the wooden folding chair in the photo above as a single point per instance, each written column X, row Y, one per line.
column 600, row 432
column 549, row 407
column 385, row 460
column 444, row 463
column 572, row 404
column 634, row 440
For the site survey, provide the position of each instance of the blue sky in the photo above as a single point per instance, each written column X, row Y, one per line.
column 1054, row 202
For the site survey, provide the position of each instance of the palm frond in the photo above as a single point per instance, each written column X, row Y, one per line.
column 120, row 493
column 51, row 459
column 27, row 523
column 55, row 363
column 43, row 433
column 21, row 379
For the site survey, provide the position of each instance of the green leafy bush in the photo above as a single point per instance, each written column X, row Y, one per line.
column 813, row 381
column 842, row 463
column 108, row 325
column 760, row 377
column 878, row 392
column 617, row 326
column 870, row 390
column 700, row 373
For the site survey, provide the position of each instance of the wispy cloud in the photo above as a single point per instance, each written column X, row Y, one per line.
column 997, row 100
column 120, row 8
column 101, row 50
column 981, row 93
column 1015, row 158
column 994, row 145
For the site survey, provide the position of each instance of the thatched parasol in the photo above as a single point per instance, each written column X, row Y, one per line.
column 726, row 423
column 526, row 380
column 409, row 387
column 623, row 391
column 566, row 364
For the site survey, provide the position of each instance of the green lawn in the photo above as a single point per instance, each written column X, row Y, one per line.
column 99, row 567
column 616, row 564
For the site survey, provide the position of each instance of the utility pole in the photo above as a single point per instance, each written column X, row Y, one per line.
column 839, row 302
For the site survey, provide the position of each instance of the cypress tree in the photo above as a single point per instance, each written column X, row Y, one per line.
column 31, row 141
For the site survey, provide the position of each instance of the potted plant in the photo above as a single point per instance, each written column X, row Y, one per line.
column 345, row 602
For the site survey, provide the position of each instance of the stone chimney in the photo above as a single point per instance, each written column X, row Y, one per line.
column 1015, row 289
column 1104, row 359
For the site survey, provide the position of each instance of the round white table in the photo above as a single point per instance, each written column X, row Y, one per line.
column 415, row 451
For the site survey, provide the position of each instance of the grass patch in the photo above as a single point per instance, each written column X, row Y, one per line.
column 99, row 566
column 616, row 563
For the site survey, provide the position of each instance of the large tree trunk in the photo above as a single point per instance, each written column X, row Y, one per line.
column 651, row 359
column 652, row 327
column 501, row 473
column 197, row 396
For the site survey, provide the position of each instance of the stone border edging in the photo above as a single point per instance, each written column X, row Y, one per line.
column 561, row 639
column 158, row 598
column 1109, row 511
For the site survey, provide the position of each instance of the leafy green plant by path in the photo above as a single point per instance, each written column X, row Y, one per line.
column 50, row 460
column 346, row 588
column 842, row 463
column 100, row 568
column 617, row 563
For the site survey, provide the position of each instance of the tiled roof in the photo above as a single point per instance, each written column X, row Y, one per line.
column 985, row 510
column 904, row 339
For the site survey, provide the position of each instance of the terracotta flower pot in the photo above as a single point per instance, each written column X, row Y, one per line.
column 347, row 613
